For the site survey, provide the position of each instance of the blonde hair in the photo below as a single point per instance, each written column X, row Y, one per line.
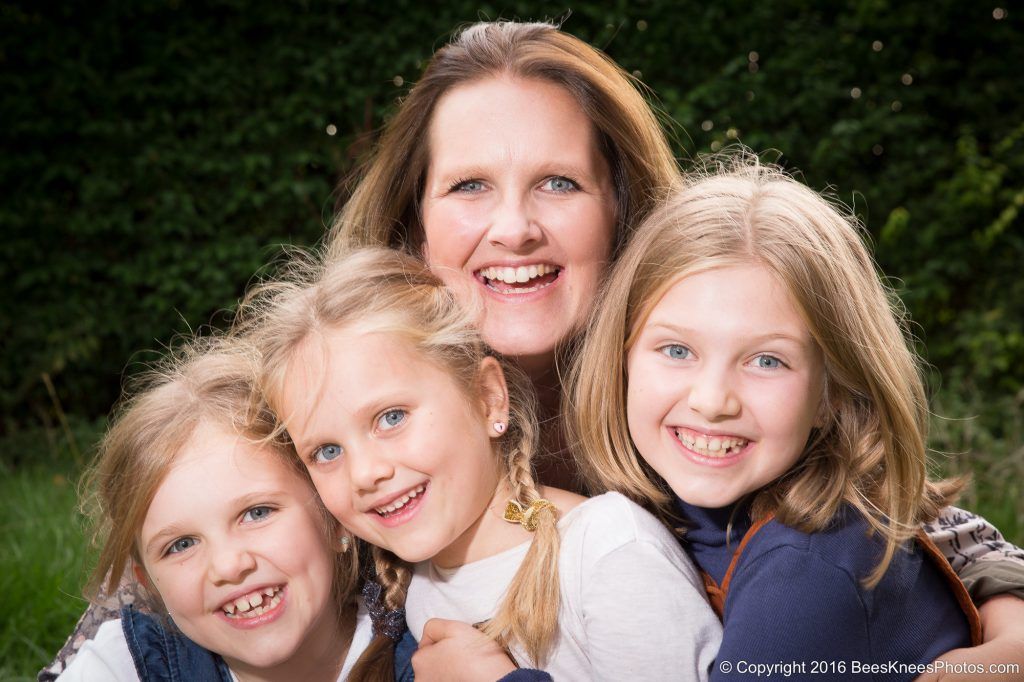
column 208, row 381
column 385, row 291
column 384, row 208
column 870, row 452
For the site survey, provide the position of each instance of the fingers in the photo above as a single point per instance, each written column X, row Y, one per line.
column 438, row 629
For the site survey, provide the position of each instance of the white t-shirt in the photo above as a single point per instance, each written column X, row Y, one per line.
column 632, row 603
column 106, row 657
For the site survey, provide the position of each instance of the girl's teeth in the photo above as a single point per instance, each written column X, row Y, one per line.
column 400, row 502
column 712, row 446
column 251, row 605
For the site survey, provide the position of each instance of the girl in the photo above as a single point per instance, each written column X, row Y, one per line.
column 748, row 366
column 420, row 441
column 222, row 529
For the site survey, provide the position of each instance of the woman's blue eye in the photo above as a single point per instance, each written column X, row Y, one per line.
column 391, row 419
column 767, row 362
column 257, row 513
column 560, row 184
column 676, row 351
column 180, row 545
column 468, row 186
column 327, row 453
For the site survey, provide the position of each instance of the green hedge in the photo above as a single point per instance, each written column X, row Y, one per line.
column 156, row 154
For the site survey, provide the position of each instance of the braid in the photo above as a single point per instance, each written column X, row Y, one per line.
column 377, row 664
column 394, row 575
column 529, row 613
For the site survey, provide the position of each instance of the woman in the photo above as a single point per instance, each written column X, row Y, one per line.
column 516, row 167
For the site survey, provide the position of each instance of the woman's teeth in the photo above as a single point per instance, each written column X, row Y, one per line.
column 253, row 604
column 523, row 273
column 712, row 446
column 401, row 501
column 520, row 275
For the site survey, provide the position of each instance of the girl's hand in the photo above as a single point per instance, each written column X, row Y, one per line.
column 1002, row 618
column 451, row 650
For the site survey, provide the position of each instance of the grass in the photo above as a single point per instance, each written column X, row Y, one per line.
column 45, row 559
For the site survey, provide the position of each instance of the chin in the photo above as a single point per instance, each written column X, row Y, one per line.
column 528, row 344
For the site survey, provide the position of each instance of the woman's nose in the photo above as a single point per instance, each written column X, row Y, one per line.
column 513, row 225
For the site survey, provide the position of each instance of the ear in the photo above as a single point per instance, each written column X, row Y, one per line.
column 493, row 394
column 141, row 576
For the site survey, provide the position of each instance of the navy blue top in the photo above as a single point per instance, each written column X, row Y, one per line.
column 165, row 655
column 797, row 597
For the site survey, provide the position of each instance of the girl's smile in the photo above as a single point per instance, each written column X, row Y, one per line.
column 710, row 449
column 255, row 607
column 724, row 384
column 400, row 508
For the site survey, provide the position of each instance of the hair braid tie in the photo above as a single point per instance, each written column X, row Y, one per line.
column 527, row 518
column 387, row 622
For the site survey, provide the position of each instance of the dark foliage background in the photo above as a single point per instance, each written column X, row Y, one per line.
column 157, row 153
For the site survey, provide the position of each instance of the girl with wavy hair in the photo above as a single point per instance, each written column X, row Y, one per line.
column 748, row 375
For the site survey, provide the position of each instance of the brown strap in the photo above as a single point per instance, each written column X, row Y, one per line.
column 955, row 584
column 716, row 594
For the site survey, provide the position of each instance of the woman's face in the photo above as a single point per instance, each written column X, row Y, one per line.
column 519, row 208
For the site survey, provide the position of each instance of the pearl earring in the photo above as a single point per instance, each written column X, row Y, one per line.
column 499, row 427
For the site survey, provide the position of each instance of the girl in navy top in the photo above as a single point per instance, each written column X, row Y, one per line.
column 748, row 375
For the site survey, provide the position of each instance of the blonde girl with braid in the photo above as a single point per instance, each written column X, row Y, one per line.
column 420, row 440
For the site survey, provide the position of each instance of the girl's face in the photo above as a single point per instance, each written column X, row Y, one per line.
column 724, row 385
column 398, row 452
column 519, row 205
column 233, row 544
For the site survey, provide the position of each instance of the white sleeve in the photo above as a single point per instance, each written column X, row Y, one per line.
column 647, row 618
column 105, row 658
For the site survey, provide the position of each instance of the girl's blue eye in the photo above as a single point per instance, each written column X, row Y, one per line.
column 391, row 419
column 560, row 184
column 327, row 453
column 257, row 513
column 675, row 351
column 767, row 362
column 180, row 545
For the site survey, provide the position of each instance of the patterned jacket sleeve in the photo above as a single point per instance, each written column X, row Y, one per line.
column 978, row 552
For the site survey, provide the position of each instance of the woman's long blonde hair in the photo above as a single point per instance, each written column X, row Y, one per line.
column 384, row 208
column 870, row 452
column 385, row 291
column 206, row 381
